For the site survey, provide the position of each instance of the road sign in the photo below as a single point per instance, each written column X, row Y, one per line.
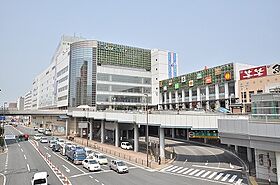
column 2, row 118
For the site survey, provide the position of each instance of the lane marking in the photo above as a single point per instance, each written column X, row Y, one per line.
column 48, row 155
column 177, row 169
column 90, row 173
column 174, row 167
column 67, row 169
column 239, row 181
column 188, row 171
column 225, row 177
column 28, row 168
column 96, row 180
column 181, row 171
column 19, row 145
column 185, row 161
column 212, row 175
column 216, row 168
column 24, row 157
column 21, row 150
column 232, row 178
column 205, row 174
column 219, row 176
column 166, row 168
column 193, row 172
column 46, row 148
column 90, row 176
column 199, row 173
column 4, row 183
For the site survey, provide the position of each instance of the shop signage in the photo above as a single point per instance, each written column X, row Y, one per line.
column 218, row 71
column 164, row 88
column 208, row 79
column 160, row 84
column 227, row 75
column 177, row 86
column 190, row 83
column 273, row 69
column 253, row 72
column 170, row 82
column 183, row 79
column 198, row 76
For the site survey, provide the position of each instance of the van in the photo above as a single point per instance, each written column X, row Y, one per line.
column 40, row 178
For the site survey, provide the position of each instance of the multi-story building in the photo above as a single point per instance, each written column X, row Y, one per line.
column 28, row 100
column 259, row 133
column 208, row 88
column 20, row 103
column 102, row 75
column 257, row 80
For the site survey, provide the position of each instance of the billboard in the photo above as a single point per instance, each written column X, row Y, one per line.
column 172, row 65
column 253, row 73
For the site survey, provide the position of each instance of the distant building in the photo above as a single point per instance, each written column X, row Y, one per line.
column 20, row 103
column 12, row 106
column 28, row 100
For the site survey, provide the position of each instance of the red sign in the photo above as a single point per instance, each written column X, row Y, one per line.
column 253, row 73
column 208, row 80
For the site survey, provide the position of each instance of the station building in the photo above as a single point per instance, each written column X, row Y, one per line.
column 209, row 88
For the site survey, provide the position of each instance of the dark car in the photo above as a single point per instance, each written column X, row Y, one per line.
column 56, row 148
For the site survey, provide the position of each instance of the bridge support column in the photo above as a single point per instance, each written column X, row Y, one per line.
column 173, row 132
column 117, row 135
column 136, row 138
column 187, row 134
column 277, row 155
column 66, row 127
column 90, row 129
column 161, row 144
column 102, row 131
column 236, row 148
column 249, row 154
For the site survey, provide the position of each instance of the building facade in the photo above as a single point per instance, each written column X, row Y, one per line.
column 20, row 103
column 257, row 80
column 28, row 100
column 209, row 88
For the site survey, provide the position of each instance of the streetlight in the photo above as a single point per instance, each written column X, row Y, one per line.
column 147, row 130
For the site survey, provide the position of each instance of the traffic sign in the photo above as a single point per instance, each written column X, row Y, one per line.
column 2, row 118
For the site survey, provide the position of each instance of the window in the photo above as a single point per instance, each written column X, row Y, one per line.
column 259, row 91
column 243, row 97
column 250, row 95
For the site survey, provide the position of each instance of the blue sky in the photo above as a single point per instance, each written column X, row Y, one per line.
column 202, row 32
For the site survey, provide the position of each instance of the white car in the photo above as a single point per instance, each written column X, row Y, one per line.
column 91, row 164
column 119, row 166
column 101, row 158
column 89, row 152
column 40, row 178
column 52, row 143
column 41, row 130
column 38, row 136
column 126, row 145
column 44, row 140
column 61, row 142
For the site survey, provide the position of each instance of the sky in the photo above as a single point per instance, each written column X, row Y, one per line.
column 202, row 32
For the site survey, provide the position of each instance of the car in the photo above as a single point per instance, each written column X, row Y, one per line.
column 47, row 133
column 35, row 128
column 89, row 152
column 126, row 145
column 118, row 166
column 101, row 158
column 40, row 178
column 91, row 165
column 38, row 136
column 41, row 130
column 61, row 141
column 56, row 148
column 44, row 140
column 52, row 142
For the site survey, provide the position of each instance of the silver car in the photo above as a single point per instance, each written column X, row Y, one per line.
column 119, row 166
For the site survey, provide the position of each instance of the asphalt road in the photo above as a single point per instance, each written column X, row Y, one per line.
column 18, row 172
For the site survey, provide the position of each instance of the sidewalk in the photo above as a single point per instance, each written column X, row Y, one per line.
column 129, row 155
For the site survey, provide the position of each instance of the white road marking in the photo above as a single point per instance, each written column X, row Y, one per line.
column 177, row 169
column 67, row 169
column 170, row 169
column 83, row 174
column 96, row 180
column 48, row 155
column 21, row 150
column 19, row 145
column 193, row 172
column 216, row 168
column 24, row 157
column 90, row 176
column 225, row 177
column 46, row 148
column 186, row 172
column 205, row 174
column 185, row 161
column 239, row 181
column 166, row 168
column 199, row 173
column 28, row 168
column 219, row 176
column 232, row 178
column 212, row 175
column 181, row 171
column 206, row 163
column 4, row 183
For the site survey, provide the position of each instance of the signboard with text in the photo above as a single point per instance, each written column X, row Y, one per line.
column 253, row 73
column 273, row 69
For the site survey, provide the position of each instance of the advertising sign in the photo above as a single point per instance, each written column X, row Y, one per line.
column 227, row 75
column 273, row 69
column 218, row 71
column 164, row 88
column 183, row 79
column 160, row 84
column 176, row 86
column 198, row 76
column 253, row 72
column 190, row 83
column 208, row 79
column 170, row 82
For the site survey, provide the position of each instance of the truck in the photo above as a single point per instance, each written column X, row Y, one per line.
column 75, row 154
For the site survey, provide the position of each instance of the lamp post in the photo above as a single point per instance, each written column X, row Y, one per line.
column 147, row 130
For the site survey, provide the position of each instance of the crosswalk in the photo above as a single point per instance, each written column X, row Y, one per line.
column 202, row 173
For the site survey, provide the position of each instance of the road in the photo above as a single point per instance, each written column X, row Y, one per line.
column 28, row 152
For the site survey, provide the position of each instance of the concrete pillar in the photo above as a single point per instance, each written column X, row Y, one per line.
column 170, row 101
column 165, row 100
column 217, row 104
column 117, row 135
column 217, row 92
column 204, row 140
column 207, row 105
column 227, row 104
column 161, row 144
column 66, row 127
column 277, row 154
column 198, row 95
column 127, row 135
column 81, row 131
column 190, row 98
column 183, row 95
column 187, row 134
column 236, row 148
column 176, row 96
column 173, row 132
column 136, row 138
column 249, row 154
column 207, row 93
column 90, row 130
column 102, row 131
